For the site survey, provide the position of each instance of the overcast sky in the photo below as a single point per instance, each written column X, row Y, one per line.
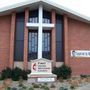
column 80, row 6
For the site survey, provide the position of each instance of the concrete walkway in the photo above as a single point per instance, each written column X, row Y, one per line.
column 86, row 87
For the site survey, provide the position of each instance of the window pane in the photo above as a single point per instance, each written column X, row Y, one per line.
column 59, row 52
column 59, row 38
column 19, row 37
column 33, row 16
column 46, row 45
column 19, row 50
column 33, row 45
column 46, row 17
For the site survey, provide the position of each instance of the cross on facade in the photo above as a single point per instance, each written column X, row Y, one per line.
column 40, row 26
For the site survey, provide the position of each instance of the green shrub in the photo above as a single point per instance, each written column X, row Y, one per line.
column 6, row 73
column 8, row 88
column 24, row 75
column 72, row 87
column 56, row 71
column 83, row 76
column 16, row 74
column 63, row 71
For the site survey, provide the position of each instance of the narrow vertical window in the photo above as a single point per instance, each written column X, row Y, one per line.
column 59, row 38
column 19, row 37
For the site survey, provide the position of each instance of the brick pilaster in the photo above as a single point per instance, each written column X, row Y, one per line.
column 66, row 48
column 53, row 38
column 12, row 36
column 26, row 40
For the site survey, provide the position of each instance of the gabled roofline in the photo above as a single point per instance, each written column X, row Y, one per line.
column 65, row 10
column 16, row 5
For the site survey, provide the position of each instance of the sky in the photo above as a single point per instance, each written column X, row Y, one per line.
column 79, row 6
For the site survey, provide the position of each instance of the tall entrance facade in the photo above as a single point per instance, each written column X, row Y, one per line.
column 41, row 37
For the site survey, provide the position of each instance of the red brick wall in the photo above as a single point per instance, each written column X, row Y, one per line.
column 4, row 41
column 79, row 39
column 53, row 37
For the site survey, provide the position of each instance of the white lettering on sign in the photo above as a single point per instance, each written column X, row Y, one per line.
column 80, row 53
column 45, row 79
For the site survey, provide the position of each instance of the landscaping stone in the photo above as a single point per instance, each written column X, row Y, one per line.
column 2, row 86
column 65, row 84
column 7, row 82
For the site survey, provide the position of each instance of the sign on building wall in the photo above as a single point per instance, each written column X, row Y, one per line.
column 80, row 53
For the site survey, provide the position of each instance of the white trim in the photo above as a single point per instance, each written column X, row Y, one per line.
column 45, row 26
column 48, row 25
column 40, row 32
column 20, row 4
column 66, row 10
column 32, row 24
column 37, row 25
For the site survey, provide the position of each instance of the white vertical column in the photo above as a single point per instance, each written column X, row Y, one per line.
column 40, row 32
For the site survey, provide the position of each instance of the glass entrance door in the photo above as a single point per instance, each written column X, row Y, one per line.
column 33, row 44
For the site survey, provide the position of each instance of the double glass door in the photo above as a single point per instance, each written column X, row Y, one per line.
column 33, row 44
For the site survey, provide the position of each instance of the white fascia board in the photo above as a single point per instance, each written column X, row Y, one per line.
column 32, row 24
column 55, row 5
column 20, row 4
column 67, row 10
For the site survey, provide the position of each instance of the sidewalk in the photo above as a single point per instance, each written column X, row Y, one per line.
column 86, row 87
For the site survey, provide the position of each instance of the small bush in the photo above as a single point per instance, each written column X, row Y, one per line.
column 56, row 71
column 8, row 88
column 72, row 87
column 24, row 75
column 63, row 71
column 83, row 76
column 6, row 73
column 14, row 74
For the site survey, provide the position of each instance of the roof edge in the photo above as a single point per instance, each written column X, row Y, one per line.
column 55, row 5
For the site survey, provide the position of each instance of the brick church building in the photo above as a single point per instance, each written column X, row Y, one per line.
column 43, row 29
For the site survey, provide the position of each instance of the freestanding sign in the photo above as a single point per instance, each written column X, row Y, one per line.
column 41, row 71
column 41, row 67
